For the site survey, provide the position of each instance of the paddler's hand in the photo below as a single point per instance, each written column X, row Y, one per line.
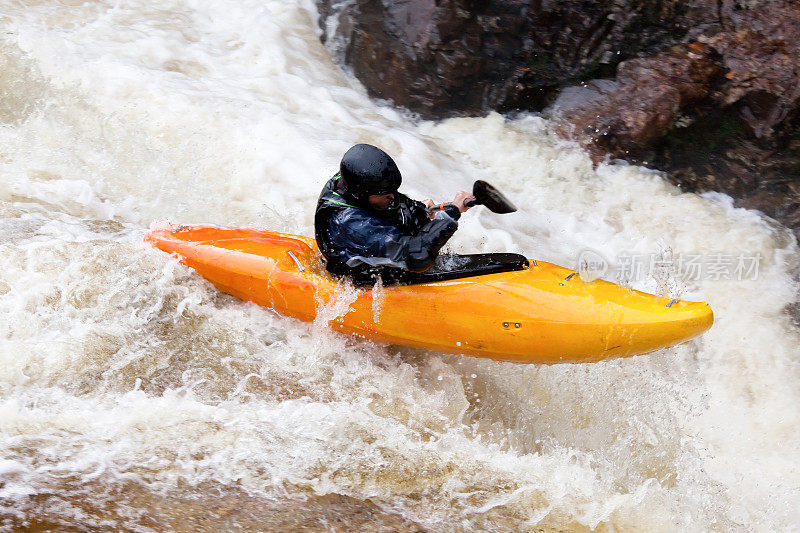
column 429, row 203
column 461, row 198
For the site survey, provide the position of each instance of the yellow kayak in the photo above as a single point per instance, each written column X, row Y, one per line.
column 538, row 313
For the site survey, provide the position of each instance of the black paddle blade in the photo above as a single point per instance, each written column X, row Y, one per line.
column 493, row 199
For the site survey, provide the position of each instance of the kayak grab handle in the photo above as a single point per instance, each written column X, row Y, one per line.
column 296, row 261
column 570, row 276
column 672, row 302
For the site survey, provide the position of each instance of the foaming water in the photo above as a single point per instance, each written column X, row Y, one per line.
column 134, row 395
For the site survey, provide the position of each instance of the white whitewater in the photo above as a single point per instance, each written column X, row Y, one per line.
column 135, row 396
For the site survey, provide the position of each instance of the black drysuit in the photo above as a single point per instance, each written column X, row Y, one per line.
column 365, row 243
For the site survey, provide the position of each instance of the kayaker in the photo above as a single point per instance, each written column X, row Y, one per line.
column 366, row 229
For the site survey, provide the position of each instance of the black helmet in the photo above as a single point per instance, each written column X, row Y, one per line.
column 369, row 170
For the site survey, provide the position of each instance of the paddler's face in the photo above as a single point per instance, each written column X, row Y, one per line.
column 381, row 201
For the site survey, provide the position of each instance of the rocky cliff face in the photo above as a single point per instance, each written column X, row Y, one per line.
column 708, row 90
column 446, row 57
column 719, row 113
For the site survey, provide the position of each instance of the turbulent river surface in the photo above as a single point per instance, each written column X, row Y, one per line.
column 135, row 396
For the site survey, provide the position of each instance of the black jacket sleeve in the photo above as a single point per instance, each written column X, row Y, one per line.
column 364, row 241
column 421, row 249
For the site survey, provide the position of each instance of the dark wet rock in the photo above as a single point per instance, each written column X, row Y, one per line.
column 757, row 50
column 717, row 154
column 719, row 114
column 445, row 57
column 649, row 96
column 793, row 310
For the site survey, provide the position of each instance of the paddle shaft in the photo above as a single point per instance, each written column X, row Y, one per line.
column 485, row 194
column 442, row 207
